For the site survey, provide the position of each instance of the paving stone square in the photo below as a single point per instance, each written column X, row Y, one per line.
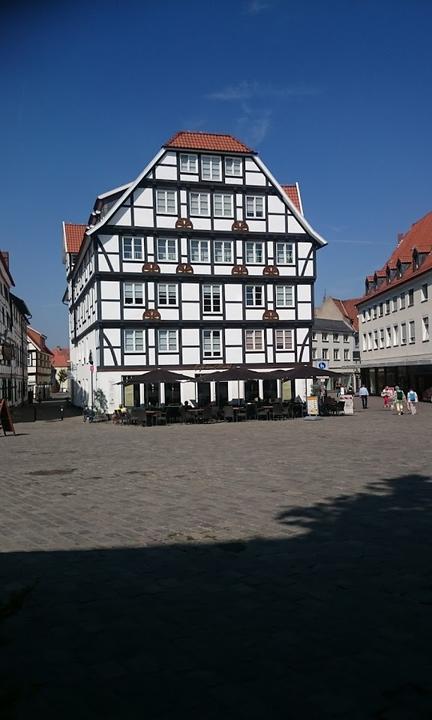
column 234, row 570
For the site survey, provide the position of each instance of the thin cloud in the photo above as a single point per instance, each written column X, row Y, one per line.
column 255, row 7
column 254, row 125
column 245, row 90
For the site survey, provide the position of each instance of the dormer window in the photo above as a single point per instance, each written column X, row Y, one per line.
column 388, row 274
column 415, row 260
column 399, row 269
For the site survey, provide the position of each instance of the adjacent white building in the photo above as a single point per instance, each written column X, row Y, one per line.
column 40, row 371
column 395, row 315
column 14, row 316
column 204, row 261
column 335, row 340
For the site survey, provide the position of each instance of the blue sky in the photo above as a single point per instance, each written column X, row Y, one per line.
column 335, row 95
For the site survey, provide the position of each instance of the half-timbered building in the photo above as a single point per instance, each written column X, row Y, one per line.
column 204, row 261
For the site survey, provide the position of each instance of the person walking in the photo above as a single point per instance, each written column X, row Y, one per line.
column 399, row 400
column 412, row 400
column 386, row 395
column 364, row 394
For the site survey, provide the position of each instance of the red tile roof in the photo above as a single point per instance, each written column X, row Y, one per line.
column 38, row 339
column 418, row 237
column 292, row 192
column 348, row 308
column 60, row 357
column 207, row 141
column 74, row 235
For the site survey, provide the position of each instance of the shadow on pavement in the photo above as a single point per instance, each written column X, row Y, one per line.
column 333, row 622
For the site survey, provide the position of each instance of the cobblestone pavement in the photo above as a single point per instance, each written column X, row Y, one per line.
column 247, row 570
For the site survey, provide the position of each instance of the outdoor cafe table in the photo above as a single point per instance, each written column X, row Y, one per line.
column 268, row 409
column 152, row 416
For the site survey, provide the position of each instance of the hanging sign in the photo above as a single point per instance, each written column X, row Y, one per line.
column 6, row 418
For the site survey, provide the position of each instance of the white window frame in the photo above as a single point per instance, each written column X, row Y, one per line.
column 250, row 250
column 425, row 328
column 395, row 335
column 346, row 355
column 236, row 169
column 387, row 307
column 325, row 353
column 381, row 338
column 214, row 292
column 166, row 202
column 336, row 337
column 203, row 251
column 254, row 206
column 137, row 247
column 286, row 291
column 403, row 334
column 388, row 337
column 402, row 301
column 411, row 332
column 166, row 290
column 286, row 251
column 284, row 340
column 135, row 340
column 336, row 355
column 324, row 337
column 214, row 169
column 252, row 291
column 167, row 340
column 254, row 340
column 134, row 287
column 410, row 302
column 222, row 246
column 424, row 292
column 226, row 208
column 211, row 335
column 166, row 255
column 188, row 163
column 201, row 201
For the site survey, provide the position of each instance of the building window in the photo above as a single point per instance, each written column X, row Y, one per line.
column 381, row 337
column 346, row 338
column 375, row 340
column 200, row 250
column 212, row 346
column 212, row 298
column 167, row 294
column 133, row 340
column 411, row 331
column 223, row 251
column 346, row 354
column 395, row 335
column 233, row 167
column 199, row 203
column 188, row 163
column 410, row 298
column 167, row 341
column 402, row 301
column 211, row 167
column 284, row 253
column 387, row 307
column 425, row 329
column 254, row 252
column 336, row 354
column 380, row 310
column 424, row 292
column 284, row 340
column 133, row 293
column 314, row 336
column 284, row 296
column 364, row 342
column 254, row 340
column 133, row 248
column 403, row 334
column 325, row 354
column 324, row 337
column 314, row 353
column 166, row 202
column 374, row 312
column 388, row 337
column 394, row 304
column 369, row 341
column 254, row 295
column 254, row 206
column 367, row 314
column 167, row 249
column 335, row 337
column 223, row 205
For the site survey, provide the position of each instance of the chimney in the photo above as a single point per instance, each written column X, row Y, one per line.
column 5, row 257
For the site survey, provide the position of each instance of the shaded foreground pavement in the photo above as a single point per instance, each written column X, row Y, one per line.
column 256, row 570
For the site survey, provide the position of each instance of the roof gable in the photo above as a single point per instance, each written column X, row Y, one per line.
column 73, row 235
column 293, row 192
column 38, row 340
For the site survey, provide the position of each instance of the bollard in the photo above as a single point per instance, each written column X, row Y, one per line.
column 61, row 412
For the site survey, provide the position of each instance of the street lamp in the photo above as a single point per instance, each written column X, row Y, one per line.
column 91, row 378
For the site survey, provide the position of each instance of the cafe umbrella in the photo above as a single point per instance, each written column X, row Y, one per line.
column 156, row 377
column 236, row 373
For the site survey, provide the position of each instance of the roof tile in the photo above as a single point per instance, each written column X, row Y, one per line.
column 292, row 192
column 74, row 235
column 207, row 141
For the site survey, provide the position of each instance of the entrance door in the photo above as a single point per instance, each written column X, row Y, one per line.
column 203, row 394
column 222, row 393
column 172, row 393
column 151, row 394
column 251, row 390
column 270, row 389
